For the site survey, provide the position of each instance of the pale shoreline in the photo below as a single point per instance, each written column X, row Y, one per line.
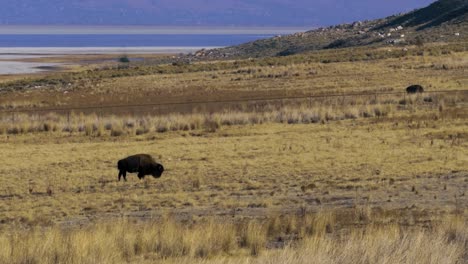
column 14, row 67
column 9, row 56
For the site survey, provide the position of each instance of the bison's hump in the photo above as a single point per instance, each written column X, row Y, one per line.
column 416, row 88
column 142, row 157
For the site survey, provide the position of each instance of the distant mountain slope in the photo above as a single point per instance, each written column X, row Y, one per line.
column 434, row 15
column 285, row 13
column 444, row 21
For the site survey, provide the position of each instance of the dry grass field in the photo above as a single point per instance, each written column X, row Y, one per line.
column 357, row 70
column 380, row 178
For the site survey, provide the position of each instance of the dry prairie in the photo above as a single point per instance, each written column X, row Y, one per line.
column 244, row 183
column 242, row 80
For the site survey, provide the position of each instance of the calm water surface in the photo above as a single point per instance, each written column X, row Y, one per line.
column 129, row 40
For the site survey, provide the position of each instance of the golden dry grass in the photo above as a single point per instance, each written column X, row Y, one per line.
column 166, row 241
column 415, row 161
column 229, row 80
column 245, row 179
column 290, row 111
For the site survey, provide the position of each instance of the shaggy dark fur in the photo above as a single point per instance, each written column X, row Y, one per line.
column 144, row 164
column 414, row 89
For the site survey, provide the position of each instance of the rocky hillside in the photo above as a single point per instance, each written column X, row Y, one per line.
column 442, row 21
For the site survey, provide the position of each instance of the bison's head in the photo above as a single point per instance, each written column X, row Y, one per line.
column 157, row 170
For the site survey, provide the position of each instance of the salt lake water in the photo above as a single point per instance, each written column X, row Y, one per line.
column 126, row 40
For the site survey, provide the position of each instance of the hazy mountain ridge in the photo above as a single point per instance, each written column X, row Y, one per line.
column 442, row 11
column 442, row 21
column 197, row 12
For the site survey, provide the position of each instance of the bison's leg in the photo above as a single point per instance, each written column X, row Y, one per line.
column 124, row 174
column 141, row 175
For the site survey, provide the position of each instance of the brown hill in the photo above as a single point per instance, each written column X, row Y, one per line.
column 442, row 21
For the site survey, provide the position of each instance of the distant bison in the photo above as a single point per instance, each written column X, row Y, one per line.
column 414, row 89
column 144, row 164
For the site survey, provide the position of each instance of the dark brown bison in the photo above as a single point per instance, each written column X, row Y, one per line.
column 414, row 89
column 144, row 164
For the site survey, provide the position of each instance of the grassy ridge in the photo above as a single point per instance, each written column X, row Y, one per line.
column 85, row 77
column 293, row 76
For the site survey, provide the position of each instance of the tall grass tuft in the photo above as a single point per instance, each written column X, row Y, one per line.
column 311, row 237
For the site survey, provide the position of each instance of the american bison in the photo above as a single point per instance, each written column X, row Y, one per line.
column 144, row 164
column 414, row 89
